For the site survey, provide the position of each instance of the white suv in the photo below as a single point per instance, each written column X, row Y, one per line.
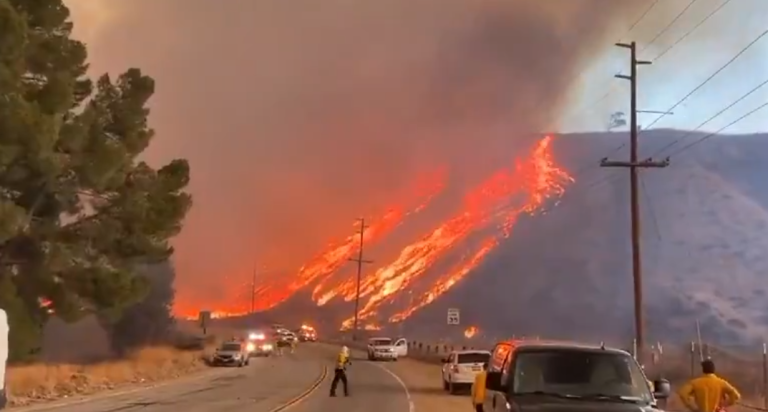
column 385, row 349
column 461, row 367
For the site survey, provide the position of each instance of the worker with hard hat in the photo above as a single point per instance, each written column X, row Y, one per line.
column 340, row 371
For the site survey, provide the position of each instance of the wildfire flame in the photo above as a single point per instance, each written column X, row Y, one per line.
column 500, row 200
column 494, row 206
column 320, row 269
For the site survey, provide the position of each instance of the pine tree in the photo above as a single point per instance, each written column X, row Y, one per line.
column 78, row 211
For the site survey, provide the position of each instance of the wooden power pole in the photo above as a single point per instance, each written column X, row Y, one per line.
column 634, row 165
column 360, row 262
column 253, row 290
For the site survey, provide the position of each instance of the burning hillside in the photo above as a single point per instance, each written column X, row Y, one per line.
column 487, row 214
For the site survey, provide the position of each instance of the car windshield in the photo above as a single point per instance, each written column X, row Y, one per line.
column 579, row 373
column 230, row 347
column 474, row 357
column 381, row 342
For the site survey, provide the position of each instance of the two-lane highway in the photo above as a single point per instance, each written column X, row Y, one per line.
column 297, row 382
column 373, row 388
column 265, row 385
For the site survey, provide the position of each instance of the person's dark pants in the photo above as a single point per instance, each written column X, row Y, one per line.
column 479, row 407
column 339, row 375
column 3, row 398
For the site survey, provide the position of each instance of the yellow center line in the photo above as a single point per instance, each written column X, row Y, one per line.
column 296, row 400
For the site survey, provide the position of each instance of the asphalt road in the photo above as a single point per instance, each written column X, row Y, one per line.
column 373, row 388
column 263, row 386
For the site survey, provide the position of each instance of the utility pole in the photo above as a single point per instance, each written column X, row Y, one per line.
column 360, row 262
column 253, row 290
column 634, row 166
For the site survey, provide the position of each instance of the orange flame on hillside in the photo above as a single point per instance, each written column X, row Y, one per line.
column 522, row 189
column 507, row 194
column 273, row 291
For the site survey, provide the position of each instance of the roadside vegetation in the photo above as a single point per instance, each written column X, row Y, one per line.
column 85, row 224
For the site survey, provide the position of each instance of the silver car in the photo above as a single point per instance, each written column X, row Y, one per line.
column 231, row 354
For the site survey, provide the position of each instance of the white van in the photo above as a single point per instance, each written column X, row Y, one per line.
column 3, row 356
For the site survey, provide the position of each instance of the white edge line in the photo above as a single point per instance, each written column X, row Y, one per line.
column 411, row 406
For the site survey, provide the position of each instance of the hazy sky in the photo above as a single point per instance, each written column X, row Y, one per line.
column 298, row 116
column 683, row 68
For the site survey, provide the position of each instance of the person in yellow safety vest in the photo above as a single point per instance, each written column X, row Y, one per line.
column 709, row 392
column 478, row 389
column 340, row 371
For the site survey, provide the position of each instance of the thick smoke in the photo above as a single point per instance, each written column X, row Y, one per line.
column 299, row 116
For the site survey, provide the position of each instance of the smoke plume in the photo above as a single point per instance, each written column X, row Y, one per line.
column 299, row 116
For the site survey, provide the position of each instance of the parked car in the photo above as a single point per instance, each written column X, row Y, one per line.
column 232, row 353
column 461, row 367
column 540, row 375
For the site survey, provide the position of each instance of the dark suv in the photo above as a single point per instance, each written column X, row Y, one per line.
column 533, row 376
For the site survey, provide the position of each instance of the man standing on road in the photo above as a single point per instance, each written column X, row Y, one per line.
column 478, row 389
column 708, row 392
column 340, row 371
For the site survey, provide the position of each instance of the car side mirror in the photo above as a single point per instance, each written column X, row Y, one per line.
column 662, row 389
column 493, row 382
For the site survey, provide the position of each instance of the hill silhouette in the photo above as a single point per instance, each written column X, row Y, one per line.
column 567, row 273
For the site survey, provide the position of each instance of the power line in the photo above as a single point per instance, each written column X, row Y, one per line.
column 713, row 117
column 746, row 115
column 689, row 32
column 639, row 19
column 610, row 91
column 632, row 27
column 602, row 181
column 708, row 79
column 668, row 26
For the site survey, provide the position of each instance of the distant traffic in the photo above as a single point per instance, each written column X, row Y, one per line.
column 266, row 342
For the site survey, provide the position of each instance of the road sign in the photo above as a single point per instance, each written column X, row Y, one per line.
column 453, row 316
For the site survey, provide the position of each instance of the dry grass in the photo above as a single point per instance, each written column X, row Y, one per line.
column 39, row 382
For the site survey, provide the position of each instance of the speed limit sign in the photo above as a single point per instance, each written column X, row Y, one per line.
column 453, row 316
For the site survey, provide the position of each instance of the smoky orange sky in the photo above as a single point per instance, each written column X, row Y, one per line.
column 299, row 116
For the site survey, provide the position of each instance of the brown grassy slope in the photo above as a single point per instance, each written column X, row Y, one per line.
column 568, row 273
column 45, row 381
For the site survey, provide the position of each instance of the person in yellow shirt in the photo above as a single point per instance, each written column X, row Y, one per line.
column 340, row 371
column 478, row 389
column 708, row 392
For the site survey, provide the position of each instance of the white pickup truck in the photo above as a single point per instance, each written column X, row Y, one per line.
column 3, row 356
column 386, row 349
